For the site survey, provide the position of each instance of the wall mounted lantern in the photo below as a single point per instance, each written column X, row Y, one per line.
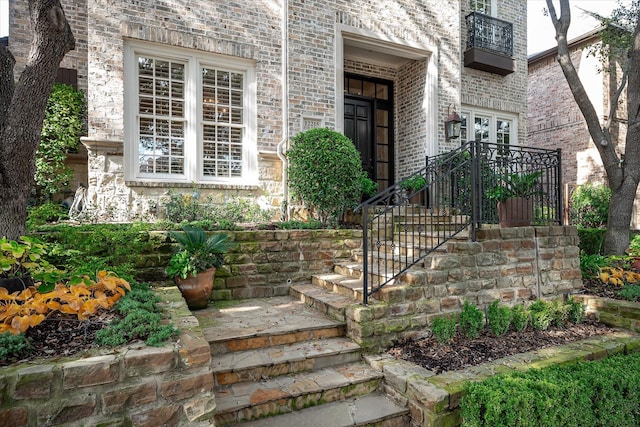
column 452, row 126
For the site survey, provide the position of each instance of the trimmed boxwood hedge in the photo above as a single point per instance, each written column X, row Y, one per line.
column 599, row 393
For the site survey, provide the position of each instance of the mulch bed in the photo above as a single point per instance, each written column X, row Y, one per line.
column 463, row 352
column 62, row 336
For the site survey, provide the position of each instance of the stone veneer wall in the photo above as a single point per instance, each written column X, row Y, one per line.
column 512, row 265
column 136, row 385
column 264, row 263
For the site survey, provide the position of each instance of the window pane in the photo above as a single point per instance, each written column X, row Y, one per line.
column 160, row 102
column 369, row 89
column 223, row 117
column 382, row 91
column 481, row 127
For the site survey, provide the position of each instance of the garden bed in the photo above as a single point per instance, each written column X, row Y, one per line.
column 464, row 352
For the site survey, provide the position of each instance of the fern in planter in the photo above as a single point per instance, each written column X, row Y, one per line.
column 514, row 185
column 515, row 194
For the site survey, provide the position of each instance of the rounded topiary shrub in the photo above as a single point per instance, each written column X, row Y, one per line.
column 325, row 173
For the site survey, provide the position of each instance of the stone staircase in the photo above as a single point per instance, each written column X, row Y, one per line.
column 280, row 357
column 288, row 357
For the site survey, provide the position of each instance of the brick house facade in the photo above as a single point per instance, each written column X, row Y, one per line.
column 183, row 96
column 555, row 121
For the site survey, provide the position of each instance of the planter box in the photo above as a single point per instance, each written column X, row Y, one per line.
column 134, row 385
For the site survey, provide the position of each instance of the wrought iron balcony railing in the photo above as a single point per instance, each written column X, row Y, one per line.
column 489, row 33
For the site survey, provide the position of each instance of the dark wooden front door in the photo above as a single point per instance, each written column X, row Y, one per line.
column 358, row 126
column 368, row 108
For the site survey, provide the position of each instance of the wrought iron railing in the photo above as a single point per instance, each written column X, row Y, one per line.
column 402, row 225
column 489, row 33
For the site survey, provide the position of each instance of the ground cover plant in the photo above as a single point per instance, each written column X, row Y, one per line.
column 597, row 393
column 57, row 312
column 451, row 349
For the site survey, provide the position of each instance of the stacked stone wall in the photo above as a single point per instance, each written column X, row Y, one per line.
column 512, row 265
column 136, row 385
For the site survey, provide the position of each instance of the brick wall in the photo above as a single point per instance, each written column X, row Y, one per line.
column 555, row 121
column 491, row 91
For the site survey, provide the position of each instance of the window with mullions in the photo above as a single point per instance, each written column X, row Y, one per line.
column 161, row 117
column 206, row 136
column 482, row 6
column 222, row 119
column 487, row 126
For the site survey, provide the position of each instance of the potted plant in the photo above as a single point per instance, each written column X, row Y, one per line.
column 193, row 267
column 514, row 193
column 413, row 186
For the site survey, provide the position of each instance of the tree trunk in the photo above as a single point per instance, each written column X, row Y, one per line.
column 22, row 110
column 623, row 176
column 616, row 239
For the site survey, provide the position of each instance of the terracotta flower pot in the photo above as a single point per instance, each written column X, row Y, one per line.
column 196, row 290
column 516, row 212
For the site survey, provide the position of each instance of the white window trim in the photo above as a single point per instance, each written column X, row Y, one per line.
column 494, row 116
column 193, row 114
column 494, row 8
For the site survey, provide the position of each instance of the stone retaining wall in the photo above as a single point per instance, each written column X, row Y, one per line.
column 265, row 263
column 616, row 313
column 512, row 265
column 136, row 385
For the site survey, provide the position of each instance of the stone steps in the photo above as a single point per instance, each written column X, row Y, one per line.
column 370, row 410
column 280, row 355
column 251, row 400
column 264, row 363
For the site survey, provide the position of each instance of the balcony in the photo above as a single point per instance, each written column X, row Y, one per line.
column 489, row 44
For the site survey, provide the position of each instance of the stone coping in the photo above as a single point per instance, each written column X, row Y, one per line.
column 434, row 400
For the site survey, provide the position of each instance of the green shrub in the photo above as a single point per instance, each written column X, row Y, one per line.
column 590, row 264
column 559, row 311
column 590, row 206
column 591, row 240
column 443, row 328
column 13, row 347
column 599, row 393
column 90, row 248
column 300, row 225
column 499, row 318
column 630, row 292
column 213, row 213
column 541, row 314
column 520, row 316
column 576, row 310
column 45, row 213
column 471, row 320
column 63, row 125
column 325, row 173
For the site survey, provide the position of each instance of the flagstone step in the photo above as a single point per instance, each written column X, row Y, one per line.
column 371, row 410
column 265, row 363
column 264, row 322
column 251, row 400
column 332, row 304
